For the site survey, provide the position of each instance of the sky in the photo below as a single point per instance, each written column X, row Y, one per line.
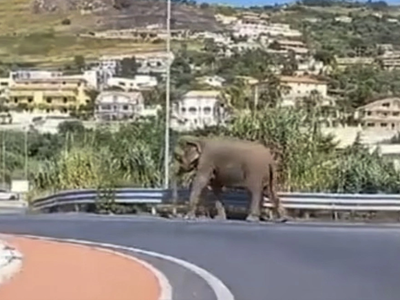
column 263, row 2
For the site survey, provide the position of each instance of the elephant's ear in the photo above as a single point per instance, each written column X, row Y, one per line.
column 194, row 142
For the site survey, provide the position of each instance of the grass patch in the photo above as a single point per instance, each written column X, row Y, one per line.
column 48, row 48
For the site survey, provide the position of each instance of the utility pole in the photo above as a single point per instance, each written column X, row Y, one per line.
column 3, row 146
column 167, row 98
column 26, row 153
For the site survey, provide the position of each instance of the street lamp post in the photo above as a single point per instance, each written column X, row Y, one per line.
column 167, row 98
column 3, row 146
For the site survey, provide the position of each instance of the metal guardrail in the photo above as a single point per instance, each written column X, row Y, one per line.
column 302, row 201
column 87, row 196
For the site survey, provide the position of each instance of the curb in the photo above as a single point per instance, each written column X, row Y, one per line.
column 10, row 262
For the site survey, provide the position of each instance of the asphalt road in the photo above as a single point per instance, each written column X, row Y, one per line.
column 255, row 261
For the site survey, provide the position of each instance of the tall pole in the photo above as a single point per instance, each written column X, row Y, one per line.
column 26, row 153
column 167, row 98
column 3, row 146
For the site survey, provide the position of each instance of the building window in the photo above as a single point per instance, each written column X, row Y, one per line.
column 370, row 124
column 383, row 124
column 65, row 99
column 396, row 114
column 15, row 100
column 369, row 113
column 30, row 99
column 207, row 110
column 192, row 110
column 387, row 104
column 125, row 107
column 106, row 107
column 48, row 99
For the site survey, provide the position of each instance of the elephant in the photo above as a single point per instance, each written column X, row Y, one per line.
column 230, row 163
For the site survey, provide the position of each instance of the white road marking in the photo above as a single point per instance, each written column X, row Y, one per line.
column 219, row 288
column 10, row 261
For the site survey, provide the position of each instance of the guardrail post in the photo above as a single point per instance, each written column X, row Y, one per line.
column 153, row 210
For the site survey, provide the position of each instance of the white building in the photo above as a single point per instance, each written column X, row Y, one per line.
column 256, row 27
column 139, row 82
column 113, row 105
column 214, row 81
column 249, row 28
column 198, row 109
column 90, row 76
column 34, row 74
column 294, row 88
column 302, row 86
column 156, row 62
column 225, row 20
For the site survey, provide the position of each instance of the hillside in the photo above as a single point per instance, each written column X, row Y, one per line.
column 122, row 14
column 33, row 30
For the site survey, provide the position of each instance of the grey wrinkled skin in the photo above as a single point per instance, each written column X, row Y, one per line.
column 230, row 163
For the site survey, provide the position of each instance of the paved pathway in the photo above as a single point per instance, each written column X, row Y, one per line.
column 59, row 271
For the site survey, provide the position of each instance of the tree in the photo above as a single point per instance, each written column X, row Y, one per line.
column 128, row 67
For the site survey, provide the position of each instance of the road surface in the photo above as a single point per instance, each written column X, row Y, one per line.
column 254, row 261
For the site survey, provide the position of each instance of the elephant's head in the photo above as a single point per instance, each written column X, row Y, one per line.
column 187, row 153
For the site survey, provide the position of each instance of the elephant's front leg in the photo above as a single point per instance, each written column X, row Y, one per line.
column 219, row 206
column 199, row 184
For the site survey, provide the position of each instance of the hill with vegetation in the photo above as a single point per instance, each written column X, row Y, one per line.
column 46, row 32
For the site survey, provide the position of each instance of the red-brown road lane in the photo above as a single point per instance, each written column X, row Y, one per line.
column 60, row 271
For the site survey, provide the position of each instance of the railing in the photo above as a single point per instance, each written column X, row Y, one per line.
column 302, row 201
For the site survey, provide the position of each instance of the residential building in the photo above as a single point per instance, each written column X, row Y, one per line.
column 344, row 62
column 112, row 62
column 218, row 38
column 297, row 47
column 249, row 26
column 55, row 95
column 390, row 152
column 225, row 20
column 390, row 60
column 294, row 88
column 301, row 86
column 92, row 77
column 156, row 62
column 380, row 114
column 244, row 46
column 115, row 105
column 34, row 74
column 214, row 81
column 310, row 66
column 139, row 82
column 284, row 30
column 198, row 109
